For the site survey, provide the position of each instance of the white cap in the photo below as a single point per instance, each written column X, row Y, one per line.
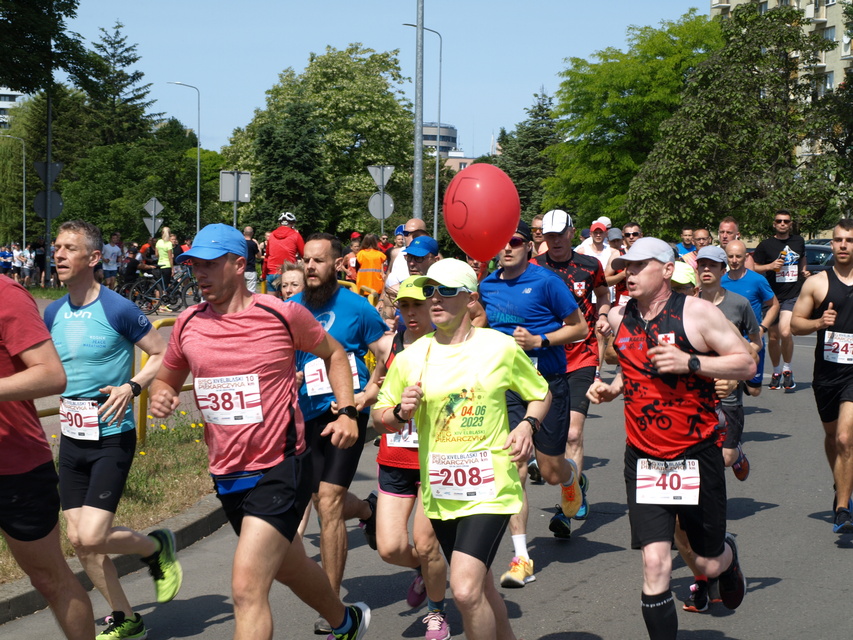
column 556, row 221
column 647, row 248
column 605, row 221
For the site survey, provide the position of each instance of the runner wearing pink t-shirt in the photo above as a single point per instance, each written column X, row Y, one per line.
column 254, row 428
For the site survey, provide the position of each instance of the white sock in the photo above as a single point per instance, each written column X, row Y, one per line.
column 778, row 369
column 786, row 366
column 519, row 542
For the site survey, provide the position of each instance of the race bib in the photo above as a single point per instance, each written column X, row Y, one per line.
column 317, row 378
column 462, row 476
column 838, row 347
column 78, row 419
column 407, row 437
column 670, row 482
column 230, row 400
column 788, row 273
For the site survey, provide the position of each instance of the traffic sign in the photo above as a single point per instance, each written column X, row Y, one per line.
column 153, row 207
column 47, row 173
column 235, row 186
column 381, row 174
column 376, row 208
column 152, row 224
column 56, row 204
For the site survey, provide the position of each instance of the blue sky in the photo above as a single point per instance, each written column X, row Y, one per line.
column 497, row 53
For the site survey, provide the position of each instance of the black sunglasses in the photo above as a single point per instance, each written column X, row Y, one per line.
column 516, row 242
column 777, row 221
column 632, row 234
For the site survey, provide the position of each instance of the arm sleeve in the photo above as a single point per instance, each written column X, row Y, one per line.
column 127, row 319
column 306, row 332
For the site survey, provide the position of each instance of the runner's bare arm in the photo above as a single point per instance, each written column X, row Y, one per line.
column 574, row 328
column 814, row 290
column 600, row 391
column 164, row 393
column 43, row 376
column 771, row 312
column 343, row 431
column 478, row 315
column 115, row 406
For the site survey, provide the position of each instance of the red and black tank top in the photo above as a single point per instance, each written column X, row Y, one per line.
column 401, row 457
column 665, row 414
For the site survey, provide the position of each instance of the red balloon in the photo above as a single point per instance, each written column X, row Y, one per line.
column 481, row 210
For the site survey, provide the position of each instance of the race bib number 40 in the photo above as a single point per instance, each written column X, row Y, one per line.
column 230, row 400
column 317, row 378
column 462, row 476
column 78, row 419
column 838, row 347
column 669, row 482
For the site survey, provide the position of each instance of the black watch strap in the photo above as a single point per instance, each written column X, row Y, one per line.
column 135, row 387
column 397, row 416
column 534, row 423
column 349, row 412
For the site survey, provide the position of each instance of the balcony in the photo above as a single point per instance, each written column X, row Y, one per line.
column 817, row 14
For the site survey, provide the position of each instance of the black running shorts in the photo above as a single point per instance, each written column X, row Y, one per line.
column 93, row 473
column 829, row 397
column 551, row 439
column 705, row 523
column 580, row 380
column 331, row 464
column 279, row 498
column 399, row 482
column 29, row 503
column 477, row 535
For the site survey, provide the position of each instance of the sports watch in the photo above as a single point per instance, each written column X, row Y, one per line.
column 349, row 412
column 135, row 387
column 693, row 364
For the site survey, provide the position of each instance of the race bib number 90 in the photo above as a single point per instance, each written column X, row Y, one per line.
column 838, row 347
column 230, row 400
column 669, row 482
column 78, row 419
column 462, row 476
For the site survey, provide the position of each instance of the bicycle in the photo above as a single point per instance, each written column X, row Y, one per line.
column 149, row 293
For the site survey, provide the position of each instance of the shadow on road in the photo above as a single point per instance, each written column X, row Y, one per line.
column 217, row 610
column 762, row 436
column 740, row 508
column 571, row 635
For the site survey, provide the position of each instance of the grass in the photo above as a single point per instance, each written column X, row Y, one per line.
column 49, row 293
column 169, row 474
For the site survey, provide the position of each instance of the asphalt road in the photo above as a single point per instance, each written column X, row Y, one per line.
column 587, row 588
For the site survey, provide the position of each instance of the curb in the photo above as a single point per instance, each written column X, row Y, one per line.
column 19, row 598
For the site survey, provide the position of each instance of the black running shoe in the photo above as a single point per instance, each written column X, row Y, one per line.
column 369, row 525
column 698, row 600
column 843, row 521
column 775, row 381
column 788, row 383
column 732, row 580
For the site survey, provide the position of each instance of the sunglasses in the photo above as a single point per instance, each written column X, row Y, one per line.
column 515, row 243
column 415, row 259
column 778, row 221
column 632, row 234
column 445, row 292
column 418, row 231
column 536, row 228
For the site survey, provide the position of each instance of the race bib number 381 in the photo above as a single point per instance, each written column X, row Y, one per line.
column 669, row 482
column 462, row 476
column 230, row 400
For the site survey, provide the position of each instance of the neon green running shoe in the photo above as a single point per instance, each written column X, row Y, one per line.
column 164, row 566
column 127, row 628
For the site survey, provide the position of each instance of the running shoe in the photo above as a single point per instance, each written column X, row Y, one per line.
column 322, row 627
column 741, row 465
column 732, row 580
column 714, row 591
column 788, row 383
column 583, row 512
column 560, row 525
column 437, row 627
column 369, row 525
column 533, row 472
column 775, row 381
column 360, row 614
column 519, row 574
column 127, row 628
column 698, row 600
column 571, row 495
column 843, row 521
column 417, row 592
column 164, row 566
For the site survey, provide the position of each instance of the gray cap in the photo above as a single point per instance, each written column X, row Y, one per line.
column 614, row 234
column 712, row 253
column 647, row 248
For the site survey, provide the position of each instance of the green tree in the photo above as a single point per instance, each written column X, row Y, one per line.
column 610, row 112
column 732, row 147
column 522, row 153
column 27, row 29
column 362, row 118
column 118, row 101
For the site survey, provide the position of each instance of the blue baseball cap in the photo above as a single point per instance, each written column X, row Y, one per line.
column 422, row 246
column 399, row 230
column 214, row 241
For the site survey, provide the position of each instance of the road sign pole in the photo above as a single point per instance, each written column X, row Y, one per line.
column 236, row 195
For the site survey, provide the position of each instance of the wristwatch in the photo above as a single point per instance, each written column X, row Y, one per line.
column 349, row 412
column 693, row 364
column 534, row 423
column 545, row 342
column 135, row 387
column 397, row 415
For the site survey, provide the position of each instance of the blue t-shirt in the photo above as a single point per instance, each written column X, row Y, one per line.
column 682, row 249
column 6, row 259
column 95, row 343
column 537, row 300
column 355, row 323
column 753, row 287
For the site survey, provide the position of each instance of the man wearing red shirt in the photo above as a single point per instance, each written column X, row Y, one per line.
column 285, row 245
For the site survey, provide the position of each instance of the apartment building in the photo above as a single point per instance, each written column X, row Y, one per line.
column 8, row 98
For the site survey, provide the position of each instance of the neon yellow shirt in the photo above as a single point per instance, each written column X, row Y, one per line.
column 462, row 419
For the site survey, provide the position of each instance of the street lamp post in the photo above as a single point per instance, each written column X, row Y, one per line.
column 438, row 134
column 24, row 199
column 198, row 158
